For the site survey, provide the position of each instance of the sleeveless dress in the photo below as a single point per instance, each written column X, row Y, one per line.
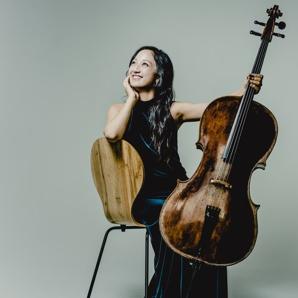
column 174, row 276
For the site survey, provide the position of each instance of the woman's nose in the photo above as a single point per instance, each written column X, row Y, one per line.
column 135, row 68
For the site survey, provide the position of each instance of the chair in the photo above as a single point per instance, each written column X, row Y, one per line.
column 118, row 175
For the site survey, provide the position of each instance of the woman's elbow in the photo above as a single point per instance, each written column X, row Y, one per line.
column 111, row 137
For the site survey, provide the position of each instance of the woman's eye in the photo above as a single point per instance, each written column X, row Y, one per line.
column 146, row 64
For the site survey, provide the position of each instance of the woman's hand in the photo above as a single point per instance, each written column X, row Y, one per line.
column 255, row 81
column 130, row 91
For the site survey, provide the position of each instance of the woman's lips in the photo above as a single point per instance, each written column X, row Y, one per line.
column 136, row 77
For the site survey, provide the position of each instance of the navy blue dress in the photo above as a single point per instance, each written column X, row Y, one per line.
column 174, row 276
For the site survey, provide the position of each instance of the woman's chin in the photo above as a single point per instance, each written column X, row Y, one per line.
column 136, row 85
column 141, row 87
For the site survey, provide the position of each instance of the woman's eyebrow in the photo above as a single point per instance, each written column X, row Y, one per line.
column 147, row 60
column 142, row 60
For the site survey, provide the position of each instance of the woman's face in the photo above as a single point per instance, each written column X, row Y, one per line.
column 142, row 71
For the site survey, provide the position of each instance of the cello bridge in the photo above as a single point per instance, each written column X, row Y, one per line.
column 222, row 183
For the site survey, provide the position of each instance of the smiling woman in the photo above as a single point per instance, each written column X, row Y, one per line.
column 149, row 120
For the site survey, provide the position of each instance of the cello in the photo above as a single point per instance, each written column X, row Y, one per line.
column 211, row 217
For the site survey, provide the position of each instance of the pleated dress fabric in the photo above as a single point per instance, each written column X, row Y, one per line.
column 174, row 276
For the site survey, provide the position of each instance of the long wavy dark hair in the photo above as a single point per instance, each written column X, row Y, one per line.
column 159, row 113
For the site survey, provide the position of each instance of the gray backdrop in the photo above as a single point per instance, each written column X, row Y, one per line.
column 62, row 66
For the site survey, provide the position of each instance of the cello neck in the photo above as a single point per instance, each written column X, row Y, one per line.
column 245, row 103
column 243, row 109
column 260, row 57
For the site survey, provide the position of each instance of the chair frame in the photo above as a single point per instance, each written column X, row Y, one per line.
column 123, row 228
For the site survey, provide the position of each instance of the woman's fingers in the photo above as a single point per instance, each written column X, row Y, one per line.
column 130, row 91
column 127, row 86
column 255, row 81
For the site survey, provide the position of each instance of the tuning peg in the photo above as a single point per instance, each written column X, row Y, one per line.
column 281, row 25
column 279, row 35
column 259, row 23
column 255, row 33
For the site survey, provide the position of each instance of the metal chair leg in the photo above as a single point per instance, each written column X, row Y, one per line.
column 123, row 228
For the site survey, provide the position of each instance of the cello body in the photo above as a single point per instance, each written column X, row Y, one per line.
column 211, row 217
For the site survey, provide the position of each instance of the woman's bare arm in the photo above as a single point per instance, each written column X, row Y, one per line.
column 119, row 114
column 117, row 120
column 187, row 111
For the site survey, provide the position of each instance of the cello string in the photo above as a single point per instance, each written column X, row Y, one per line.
column 223, row 164
column 226, row 164
column 240, row 123
column 257, row 69
column 247, row 101
column 247, row 106
column 207, row 194
column 242, row 118
column 225, row 168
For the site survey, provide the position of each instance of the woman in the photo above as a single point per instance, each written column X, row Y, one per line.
column 149, row 120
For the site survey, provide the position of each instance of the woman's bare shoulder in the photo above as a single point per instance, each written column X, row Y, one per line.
column 176, row 110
